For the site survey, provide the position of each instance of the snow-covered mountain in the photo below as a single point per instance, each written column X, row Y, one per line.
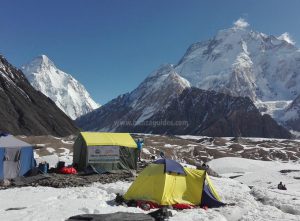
column 154, row 94
column 243, row 62
column 26, row 111
column 165, row 103
column 68, row 94
column 237, row 61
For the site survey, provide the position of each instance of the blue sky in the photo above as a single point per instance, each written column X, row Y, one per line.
column 110, row 46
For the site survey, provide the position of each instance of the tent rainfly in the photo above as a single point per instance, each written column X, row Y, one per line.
column 105, row 151
column 16, row 157
column 166, row 182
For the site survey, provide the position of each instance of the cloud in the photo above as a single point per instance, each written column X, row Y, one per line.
column 287, row 37
column 241, row 23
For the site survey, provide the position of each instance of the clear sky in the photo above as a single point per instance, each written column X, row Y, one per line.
column 110, row 46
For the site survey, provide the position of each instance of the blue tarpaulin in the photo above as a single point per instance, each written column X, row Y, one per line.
column 16, row 157
column 208, row 199
column 27, row 161
column 171, row 166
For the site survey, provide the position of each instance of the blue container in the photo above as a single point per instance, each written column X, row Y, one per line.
column 43, row 167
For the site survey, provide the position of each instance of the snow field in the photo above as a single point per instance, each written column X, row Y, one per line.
column 45, row 203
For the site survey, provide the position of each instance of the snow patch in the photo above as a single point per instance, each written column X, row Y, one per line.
column 287, row 37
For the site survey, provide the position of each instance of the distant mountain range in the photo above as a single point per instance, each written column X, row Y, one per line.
column 225, row 86
column 26, row 111
column 166, row 103
column 68, row 94
column 238, row 62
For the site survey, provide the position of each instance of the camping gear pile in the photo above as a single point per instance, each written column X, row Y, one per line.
column 168, row 183
column 62, row 169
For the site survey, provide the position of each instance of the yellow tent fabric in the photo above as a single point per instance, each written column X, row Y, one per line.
column 167, row 189
column 108, row 139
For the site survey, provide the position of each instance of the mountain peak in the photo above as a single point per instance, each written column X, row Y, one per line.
column 68, row 94
column 241, row 23
column 43, row 60
column 244, row 62
column 25, row 111
column 39, row 62
column 162, row 70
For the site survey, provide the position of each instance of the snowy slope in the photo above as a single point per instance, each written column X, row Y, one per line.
column 68, row 94
column 264, row 177
column 243, row 62
column 156, row 91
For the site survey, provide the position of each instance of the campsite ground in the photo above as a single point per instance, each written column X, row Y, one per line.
column 253, row 189
column 262, row 202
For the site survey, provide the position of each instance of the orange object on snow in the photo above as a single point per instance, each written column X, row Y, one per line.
column 147, row 205
column 183, row 206
column 67, row 170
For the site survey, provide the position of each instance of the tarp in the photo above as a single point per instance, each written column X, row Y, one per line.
column 171, row 166
column 27, row 161
column 108, row 139
column 208, row 198
column 112, row 217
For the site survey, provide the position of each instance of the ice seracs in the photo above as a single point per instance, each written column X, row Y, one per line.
column 68, row 94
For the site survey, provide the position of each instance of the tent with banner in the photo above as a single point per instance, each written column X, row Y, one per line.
column 105, row 151
column 166, row 182
column 16, row 157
